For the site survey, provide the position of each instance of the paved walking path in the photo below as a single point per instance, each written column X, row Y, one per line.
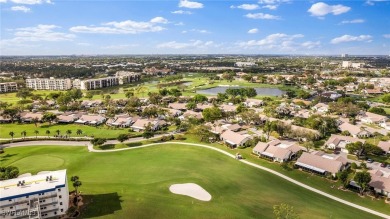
column 91, row 149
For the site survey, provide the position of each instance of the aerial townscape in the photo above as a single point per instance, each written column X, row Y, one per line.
column 165, row 119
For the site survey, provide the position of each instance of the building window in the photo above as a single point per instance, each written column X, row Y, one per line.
column 60, row 203
column 55, row 213
column 62, row 210
column 60, row 196
column 10, row 200
column 59, row 190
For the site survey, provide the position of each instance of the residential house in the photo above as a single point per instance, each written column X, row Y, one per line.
column 30, row 116
column 354, row 130
column 123, row 121
column 232, row 127
column 234, row 139
column 191, row 114
column 339, row 142
column 331, row 95
column 321, row 108
column 91, row 103
column 68, row 118
column 371, row 118
column 385, row 146
column 228, row 107
column 276, row 150
column 375, row 91
column 91, row 120
column 321, row 163
column 178, row 106
column 380, row 182
column 140, row 124
column 253, row 103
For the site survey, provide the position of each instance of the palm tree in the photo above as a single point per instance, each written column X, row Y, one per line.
column 36, row 133
column 79, row 132
column 58, row 132
column 68, row 132
column 12, row 135
column 23, row 134
column 48, row 133
column 76, row 183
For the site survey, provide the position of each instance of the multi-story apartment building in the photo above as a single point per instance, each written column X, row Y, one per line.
column 49, row 83
column 43, row 195
column 8, row 87
column 121, row 77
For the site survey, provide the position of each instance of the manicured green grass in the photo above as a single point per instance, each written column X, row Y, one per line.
column 100, row 131
column 135, row 184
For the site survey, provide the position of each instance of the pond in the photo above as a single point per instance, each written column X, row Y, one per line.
column 263, row 91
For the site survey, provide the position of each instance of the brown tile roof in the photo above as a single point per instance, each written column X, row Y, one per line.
column 319, row 162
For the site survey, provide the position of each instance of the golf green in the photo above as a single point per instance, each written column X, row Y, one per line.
column 135, row 183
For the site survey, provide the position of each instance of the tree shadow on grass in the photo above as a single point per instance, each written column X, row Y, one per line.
column 101, row 204
column 134, row 144
column 6, row 157
column 107, row 146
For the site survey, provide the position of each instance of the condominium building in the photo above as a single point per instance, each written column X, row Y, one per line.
column 8, row 87
column 49, row 84
column 43, row 195
column 120, row 78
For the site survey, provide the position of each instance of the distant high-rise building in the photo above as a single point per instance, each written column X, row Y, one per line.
column 344, row 55
column 121, row 77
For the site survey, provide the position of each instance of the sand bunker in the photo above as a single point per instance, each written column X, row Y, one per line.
column 190, row 189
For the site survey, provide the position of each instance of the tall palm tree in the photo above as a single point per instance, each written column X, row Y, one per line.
column 76, row 183
column 58, row 132
column 23, row 134
column 12, row 135
column 79, row 132
column 36, row 133
column 48, row 133
column 68, row 132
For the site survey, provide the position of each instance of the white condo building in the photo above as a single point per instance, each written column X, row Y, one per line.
column 121, row 77
column 49, row 84
column 8, row 87
column 43, row 195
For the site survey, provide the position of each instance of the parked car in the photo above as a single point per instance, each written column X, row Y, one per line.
column 369, row 161
column 383, row 165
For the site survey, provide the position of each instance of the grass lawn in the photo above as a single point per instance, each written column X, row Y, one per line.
column 100, row 131
column 135, row 184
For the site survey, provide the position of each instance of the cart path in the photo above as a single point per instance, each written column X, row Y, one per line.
column 91, row 149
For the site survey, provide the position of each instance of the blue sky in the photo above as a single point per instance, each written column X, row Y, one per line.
column 53, row 27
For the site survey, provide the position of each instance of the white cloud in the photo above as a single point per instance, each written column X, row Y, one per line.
column 159, row 20
column 123, row 27
column 349, row 38
column 387, row 36
column 254, row 30
column 21, row 8
column 195, row 44
column 3, row 1
column 320, row 9
column 372, row 2
column 196, row 30
column 181, row 12
column 355, row 21
column 190, row 4
column 36, row 34
column 84, row 44
column 278, row 41
column 271, row 7
column 262, row 16
column 272, row 4
column 31, row 2
column 310, row 44
column 246, row 6
column 179, row 24
column 122, row 46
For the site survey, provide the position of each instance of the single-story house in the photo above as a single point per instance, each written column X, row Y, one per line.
column 321, row 163
column 385, row 125
column 178, row 106
column 320, row 108
column 385, row 146
column 276, row 150
column 253, row 103
column 91, row 103
column 67, row 118
column 91, row 120
column 232, row 127
column 30, row 116
column 354, row 130
column 234, row 139
column 373, row 118
column 140, row 124
column 192, row 114
column 123, row 121
column 340, row 142
column 380, row 182
column 228, row 107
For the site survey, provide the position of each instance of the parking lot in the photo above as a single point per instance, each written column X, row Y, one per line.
column 377, row 166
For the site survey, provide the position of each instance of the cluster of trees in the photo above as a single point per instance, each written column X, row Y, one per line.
column 173, row 92
column 9, row 172
column 362, row 149
column 286, row 130
column 325, row 125
column 244, row 92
